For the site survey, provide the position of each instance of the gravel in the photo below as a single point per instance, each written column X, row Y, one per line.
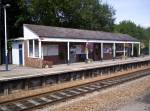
column 142, row 103
column 110, row 99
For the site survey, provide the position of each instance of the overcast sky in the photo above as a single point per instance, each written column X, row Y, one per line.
column 137, row 11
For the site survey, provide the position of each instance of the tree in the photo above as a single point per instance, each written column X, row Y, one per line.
column 12, row 30
column 128, row 27
column 84, row 14
column 147, row 33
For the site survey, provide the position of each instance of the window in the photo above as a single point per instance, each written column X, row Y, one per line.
column 50, row 50
column 36, row 48
column 31, row 48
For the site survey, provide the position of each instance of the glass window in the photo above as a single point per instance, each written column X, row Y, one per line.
column 36, row 48
column 50, row 50
column 31, row 48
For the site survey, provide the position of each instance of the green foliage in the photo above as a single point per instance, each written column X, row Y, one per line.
column 84, row 14
column 128, row 27
column 12, row 13
column 147, row 33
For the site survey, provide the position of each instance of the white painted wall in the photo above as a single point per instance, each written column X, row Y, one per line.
column 15, row 52
column 29, row 34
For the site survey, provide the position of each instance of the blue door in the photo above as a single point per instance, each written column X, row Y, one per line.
column 20, row 54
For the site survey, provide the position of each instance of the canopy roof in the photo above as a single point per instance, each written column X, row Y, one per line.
column 70, row 33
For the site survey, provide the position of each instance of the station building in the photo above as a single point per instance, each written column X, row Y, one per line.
column 44, row 46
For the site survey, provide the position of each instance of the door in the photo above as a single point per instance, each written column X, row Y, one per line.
column 20, row 55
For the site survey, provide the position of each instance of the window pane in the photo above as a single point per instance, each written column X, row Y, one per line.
column 36, row 48
column 45, row 50
column 31, row 48
column 50, row 50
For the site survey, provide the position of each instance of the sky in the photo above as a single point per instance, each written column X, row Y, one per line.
column 137, row 11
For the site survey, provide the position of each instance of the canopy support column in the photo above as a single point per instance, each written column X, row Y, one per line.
column 40, row 49
column 139, row 49
column 87, row 51
column 124, row 52
column 101, row 51
column 33, row 48
column 114, row 50
column 28, row 47
column 68, row 52
column 132, row 50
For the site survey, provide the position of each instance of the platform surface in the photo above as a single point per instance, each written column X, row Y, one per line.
column 16, row 72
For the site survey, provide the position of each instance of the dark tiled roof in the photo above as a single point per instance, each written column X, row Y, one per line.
column 69, row 33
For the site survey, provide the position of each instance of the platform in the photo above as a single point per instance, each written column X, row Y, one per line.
column 16, row 72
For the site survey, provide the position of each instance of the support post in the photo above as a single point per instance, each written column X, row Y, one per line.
column 40, row 51
column 6, row 49
column 68, row 50
column 101, row 51
column 114, row 50
column 124, row 52
column 87, row 52
column 139, row 49
column 28, row 47
column 132, row 50
column 33, row 47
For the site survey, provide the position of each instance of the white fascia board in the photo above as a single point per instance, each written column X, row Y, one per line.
column 62, row 40
column 83, row 40
column 29, row 34
column 18, row 39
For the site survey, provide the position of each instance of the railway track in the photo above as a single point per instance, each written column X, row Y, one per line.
column 42, row 100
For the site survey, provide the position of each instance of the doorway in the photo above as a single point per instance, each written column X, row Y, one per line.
column 20, row 55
